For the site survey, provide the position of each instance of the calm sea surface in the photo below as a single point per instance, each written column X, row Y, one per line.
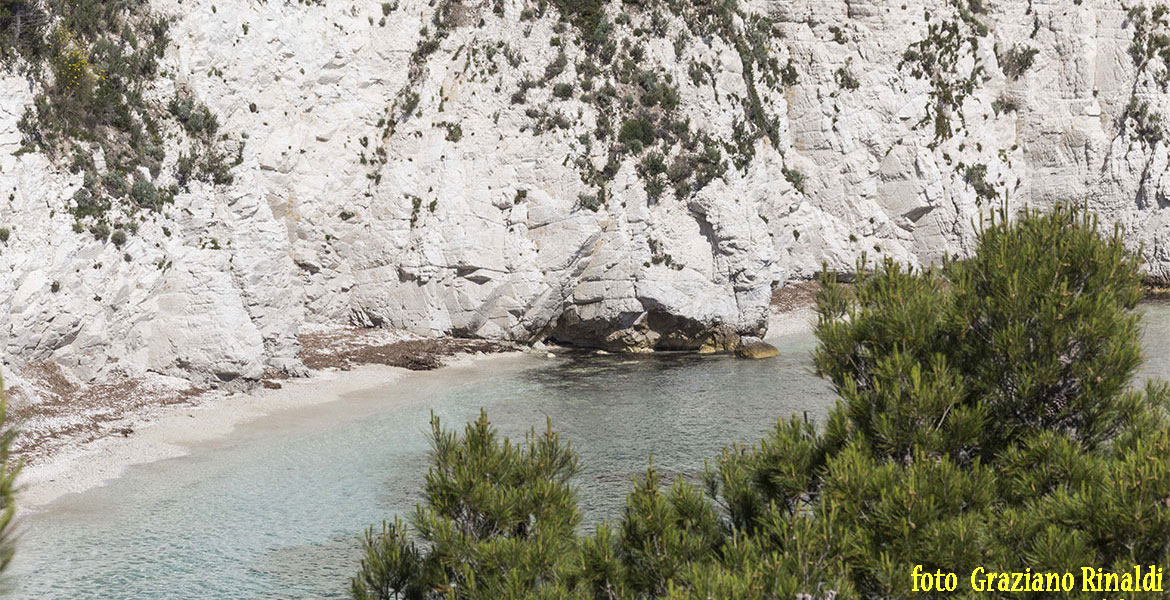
column 275, row 510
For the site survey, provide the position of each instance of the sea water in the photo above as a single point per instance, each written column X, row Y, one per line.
column 275, row 510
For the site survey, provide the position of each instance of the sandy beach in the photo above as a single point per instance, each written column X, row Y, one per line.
column 168, row 431
column 171, row 431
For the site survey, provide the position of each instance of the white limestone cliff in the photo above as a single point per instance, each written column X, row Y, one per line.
column 482, row 234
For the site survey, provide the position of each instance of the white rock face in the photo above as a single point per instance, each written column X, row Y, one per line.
column 481, row 233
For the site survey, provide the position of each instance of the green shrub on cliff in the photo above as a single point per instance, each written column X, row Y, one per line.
column 93, row 65
column 21, row 25
column 985, row 419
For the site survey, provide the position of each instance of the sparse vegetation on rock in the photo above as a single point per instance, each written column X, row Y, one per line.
column 952, row 41
column 622, row 84
column 1016, row 60
column 1150, row 53
column 92, row 63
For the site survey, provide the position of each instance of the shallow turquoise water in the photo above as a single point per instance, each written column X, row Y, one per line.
column 275, row 510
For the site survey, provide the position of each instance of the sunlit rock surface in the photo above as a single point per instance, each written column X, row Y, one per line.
column 331, row 220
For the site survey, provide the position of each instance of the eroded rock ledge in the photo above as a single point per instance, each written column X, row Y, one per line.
column 647, row 332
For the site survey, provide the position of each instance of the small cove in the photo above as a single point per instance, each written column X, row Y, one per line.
column 274, row 510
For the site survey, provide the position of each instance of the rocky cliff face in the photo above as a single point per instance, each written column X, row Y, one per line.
column 626, row 175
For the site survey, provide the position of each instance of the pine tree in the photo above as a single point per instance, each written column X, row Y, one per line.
column 985, row 418
column 498, row 521
column 9, row 470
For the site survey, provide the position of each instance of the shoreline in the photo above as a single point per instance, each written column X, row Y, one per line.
column 173, row 431
column 169, row 430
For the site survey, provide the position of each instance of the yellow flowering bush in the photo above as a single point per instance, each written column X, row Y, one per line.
column 71, row 64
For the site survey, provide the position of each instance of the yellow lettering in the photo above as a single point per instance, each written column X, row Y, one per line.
column 1088, row 579
column 977, row 580
column 1150, row 582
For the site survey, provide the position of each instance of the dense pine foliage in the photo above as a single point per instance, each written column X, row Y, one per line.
column 499, row 516
column 985, row 419
column 9, row 469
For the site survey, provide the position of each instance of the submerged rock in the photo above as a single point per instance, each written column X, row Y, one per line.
column 755, row 348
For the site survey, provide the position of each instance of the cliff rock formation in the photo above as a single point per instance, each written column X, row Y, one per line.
column 623, row 175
